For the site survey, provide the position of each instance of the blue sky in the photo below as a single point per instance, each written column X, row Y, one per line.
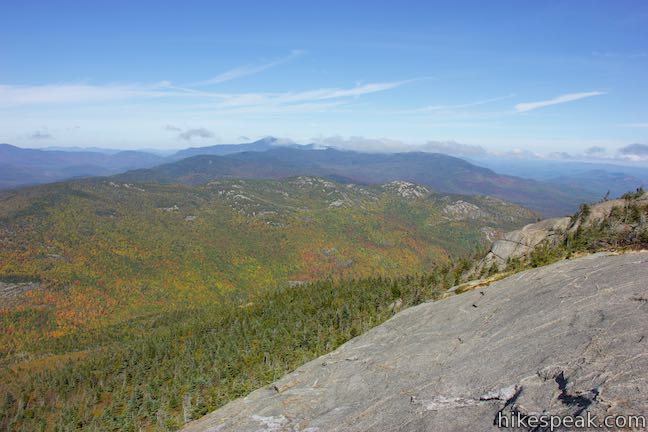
column 546, row 77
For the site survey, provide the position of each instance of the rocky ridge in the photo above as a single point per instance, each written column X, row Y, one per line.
column 614, row 217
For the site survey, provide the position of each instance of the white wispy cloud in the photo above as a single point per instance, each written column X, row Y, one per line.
column 246, row 70
column 335, row 93
column 321, row 94
column 569, row 97
column 20, row 95
column 12, row 96
column 435, row 108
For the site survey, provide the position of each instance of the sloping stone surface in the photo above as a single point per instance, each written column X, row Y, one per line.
column 561, row 339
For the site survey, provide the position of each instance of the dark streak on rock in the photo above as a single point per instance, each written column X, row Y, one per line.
column 580, row 401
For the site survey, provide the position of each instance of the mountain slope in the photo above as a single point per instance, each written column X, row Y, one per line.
column 104, row 251
column 561, row 340
column 443, row 173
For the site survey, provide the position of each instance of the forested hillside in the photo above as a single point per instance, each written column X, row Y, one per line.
column 126, row 305
column 160, row 370
column 95, row 251
column 176, row 352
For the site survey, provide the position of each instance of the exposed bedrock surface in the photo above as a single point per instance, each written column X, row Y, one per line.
column 563, row 339
column 520, row 243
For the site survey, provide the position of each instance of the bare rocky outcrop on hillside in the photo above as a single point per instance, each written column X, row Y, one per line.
column 406, row 189
column 461, row 210
column 615, row 214
column 11, row 292
column 521, row 242
column 568, row 338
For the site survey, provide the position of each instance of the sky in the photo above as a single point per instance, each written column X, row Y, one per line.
column 537, row 78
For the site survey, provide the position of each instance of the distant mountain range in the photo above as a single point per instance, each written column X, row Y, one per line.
column 445, row 174
column 598, row 178
column 19, row 166
column 549, row 187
